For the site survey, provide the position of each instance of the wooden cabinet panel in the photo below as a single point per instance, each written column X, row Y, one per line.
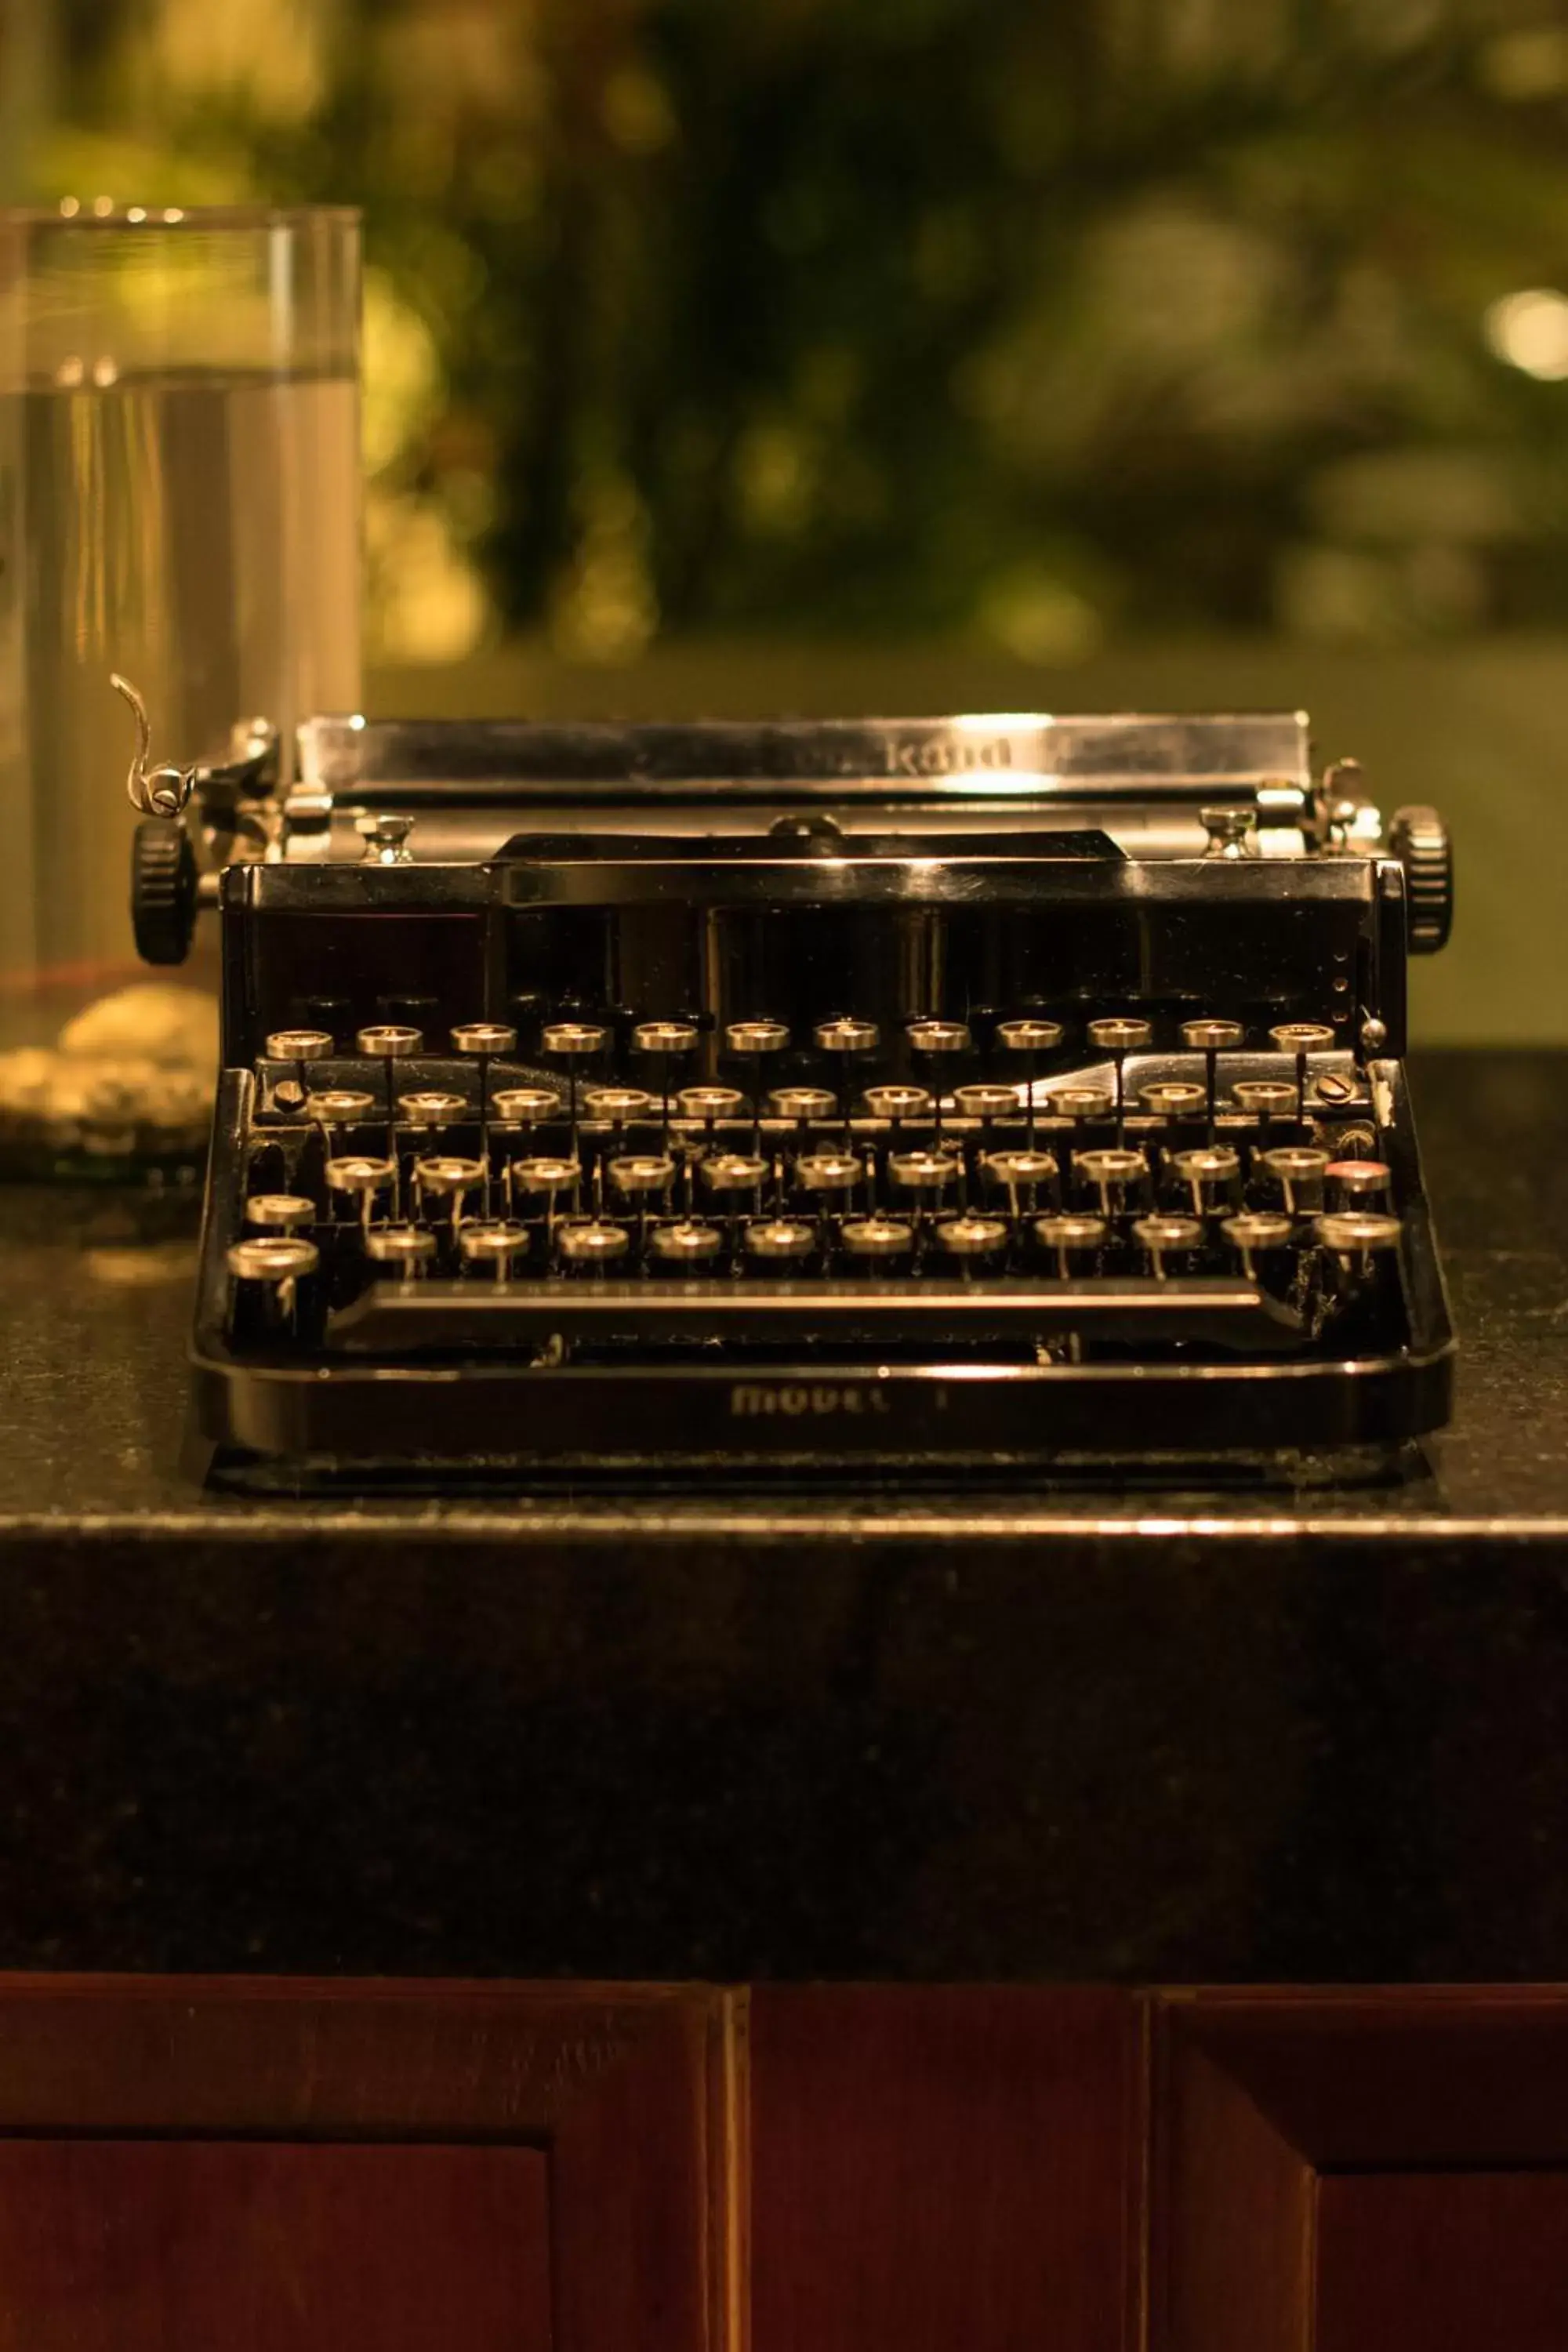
column 1442, row 2261
column 1336, row 2172
column 944, row 2170
column 171, row 2246
column 184, row 2161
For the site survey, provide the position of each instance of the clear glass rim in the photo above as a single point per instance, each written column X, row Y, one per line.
column 179, row 216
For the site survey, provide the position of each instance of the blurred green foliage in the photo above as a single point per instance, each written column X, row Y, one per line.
column 1037, row 322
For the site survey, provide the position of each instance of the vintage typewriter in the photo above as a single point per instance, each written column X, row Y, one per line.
column 986, row 1090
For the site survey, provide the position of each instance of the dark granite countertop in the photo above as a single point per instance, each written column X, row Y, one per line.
column 1163, row 1732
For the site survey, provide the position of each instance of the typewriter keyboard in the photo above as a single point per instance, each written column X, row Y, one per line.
column 1054, row 1190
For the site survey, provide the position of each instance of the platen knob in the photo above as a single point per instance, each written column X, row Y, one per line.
column 163, row 891
column 1419, row 839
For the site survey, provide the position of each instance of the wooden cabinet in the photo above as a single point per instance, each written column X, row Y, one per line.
column 285, row 2167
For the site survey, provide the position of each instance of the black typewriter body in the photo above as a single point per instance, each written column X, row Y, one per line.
column 979, row 1092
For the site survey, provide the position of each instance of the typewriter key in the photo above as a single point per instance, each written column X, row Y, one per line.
column 1082, row 1102
column 971, row 1238
column 668, row 1037
column 1358, row 1183
column 1172, row 1098
column 339, row 1106
column 484, row 1040
column 1297, row 1168
column 1111, row 1172
column 615, row 1104
column 756, row 1037
column 279, row 1213
column 592, row 1243
column 877, row 1237
column 642, row 1174
column 1119, row 1038
column 733, row 1172
column 923, row 1172
column 1260, row 1229
column 389, row 1043
column 781, row 1239
column 550, row 1176
column 985, row 1102
column 492, row 1245
column 574, row 1041
column 300, row 1047
column 711, row 1103
column 446, row 1178
column 846, row 1037
column 361, row 1180
column 525, row 1106
column 1204, row 1173
column 828, row 1171
column 689, row 1243
column 1160, row 1235
column 1020, row 1171
column 897, row 1103
column 1265, row 1098
column 1211, row 1039
column 1356, row 1238
column 403, row 1250
column 432, row 1111
column 939, row 1036
column 1071, row 1237
column 1301, row 1038
column 803, row 1103
column 275, row 1264
column 1031, row 1038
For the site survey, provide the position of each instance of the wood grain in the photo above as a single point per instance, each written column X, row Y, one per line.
column 1442, row 2262
column 943, row 2167
column 150, row 2246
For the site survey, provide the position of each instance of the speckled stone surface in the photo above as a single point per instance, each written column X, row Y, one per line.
column 1155, row 1734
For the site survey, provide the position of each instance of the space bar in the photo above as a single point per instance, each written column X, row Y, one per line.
column 398, row 1318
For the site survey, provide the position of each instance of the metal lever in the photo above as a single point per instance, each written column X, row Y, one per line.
column 163, row 791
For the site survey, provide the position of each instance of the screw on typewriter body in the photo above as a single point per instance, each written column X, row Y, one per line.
column 687, row 1242
column 385, row 839
column 574, row 1041
column 970, row 1238
column 1227, row 830
column 1211, row 1039
column 1206, row 1173
column 1356, row 1239
column 338, row 1108
column 1333, row 1087
column 757, row 1039
column 1161, row 1236
column 1258, row 1229
column 592, row 1245
column 483, row 1040
column 1301, row 1038
column 1266, row 1099
column 1119, row 1038
column 1031, row 1038
column 445, row 1176
column 403, row 1250
column 877, row 1237
column 1020, row 1171
column 934, row 1040
column 1070, row 1235
column 1111, row 1172
column 390, row 1042
column 551, row 1176
column 1297, row 1169
column 492, row 1245
column 279, row 1213
column 300, row 1047
column 1358, row 1183
column 360, row 1181
column 275, row 1265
